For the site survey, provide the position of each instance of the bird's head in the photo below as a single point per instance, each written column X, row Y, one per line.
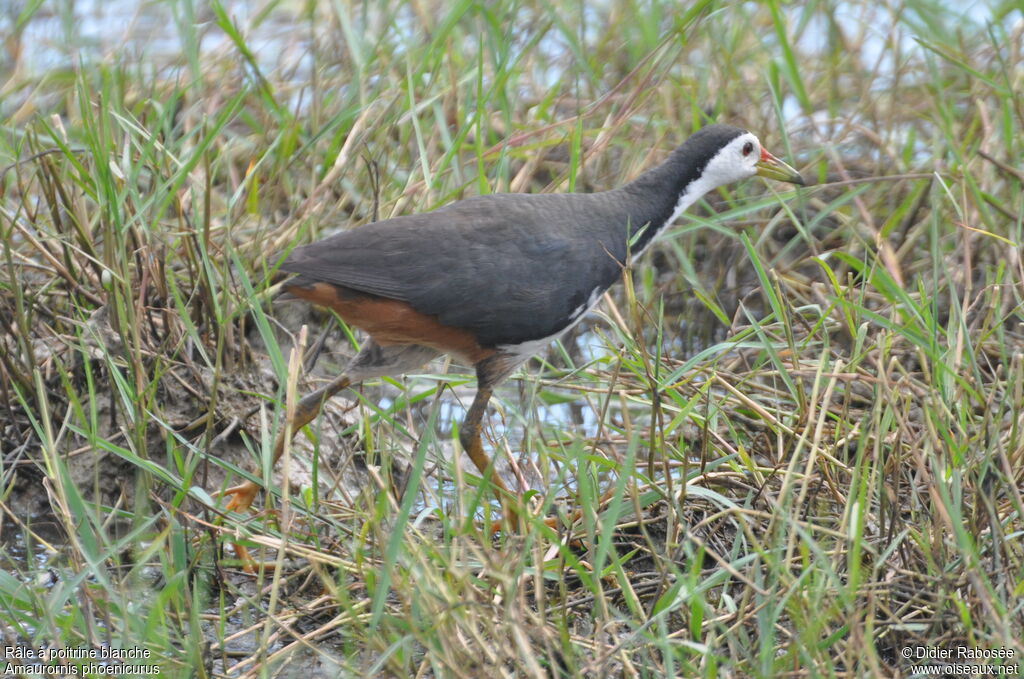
column 734, row 154
column 740, row 155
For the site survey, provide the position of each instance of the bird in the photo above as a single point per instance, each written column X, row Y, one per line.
column 491, row 280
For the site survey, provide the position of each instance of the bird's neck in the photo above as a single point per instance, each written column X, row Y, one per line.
column 657, row 198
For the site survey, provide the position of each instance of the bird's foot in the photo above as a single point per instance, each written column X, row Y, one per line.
column 510, row 517
column 242, row 496
column 248, row 564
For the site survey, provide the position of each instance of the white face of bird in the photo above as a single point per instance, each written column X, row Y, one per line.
column 744, row 157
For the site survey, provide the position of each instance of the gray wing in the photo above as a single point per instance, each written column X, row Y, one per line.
column 507, row 270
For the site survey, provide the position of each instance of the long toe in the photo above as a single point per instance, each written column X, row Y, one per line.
column 510, row 522
column 246, row 560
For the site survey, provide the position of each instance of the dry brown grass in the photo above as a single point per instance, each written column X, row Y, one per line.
column 807, row 407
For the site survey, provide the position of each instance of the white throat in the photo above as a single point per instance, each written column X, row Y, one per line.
column 691, row 195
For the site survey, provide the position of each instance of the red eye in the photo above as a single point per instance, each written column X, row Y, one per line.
column 748, row 148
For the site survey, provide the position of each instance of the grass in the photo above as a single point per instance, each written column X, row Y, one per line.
column 805, row 406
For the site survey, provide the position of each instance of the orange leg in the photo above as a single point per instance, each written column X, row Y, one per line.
column 305, row 412
column 511, row 517
column 577, row 514
column 470, row 435
column 243, row 495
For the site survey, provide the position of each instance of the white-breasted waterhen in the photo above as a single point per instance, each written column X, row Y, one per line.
column 492, row 280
